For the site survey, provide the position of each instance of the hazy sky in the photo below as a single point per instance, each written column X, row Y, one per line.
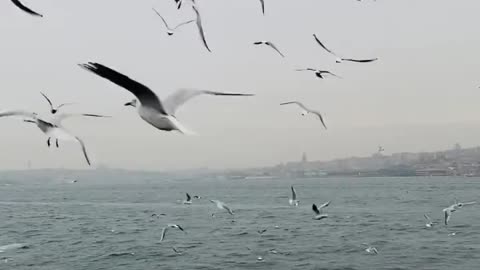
column 422, row 94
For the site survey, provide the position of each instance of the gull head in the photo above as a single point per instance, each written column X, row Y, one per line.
column 53, row 111
column 169, row 32
column 338, row 60
column 132, row 103
column 304, row 112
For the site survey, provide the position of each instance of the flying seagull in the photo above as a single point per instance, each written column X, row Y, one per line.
column 452, row 208
column 319, row 212
column 53, row 109
column 188, row 200
column 25, row 8
column 306, row 111
column 340, row 59
column 50, row 129
column 170, row 31
column 174, row 226
column 370, row 249
column 319, row 73
column 270, row 44
column 429, row 223
column 293, row 201
column 262, row 2
column 58, row 119
column 160, row 114
column 180, row 2
column 200, row 27
column 223, row 206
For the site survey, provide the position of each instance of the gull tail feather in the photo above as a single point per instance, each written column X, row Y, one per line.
column 181, row 128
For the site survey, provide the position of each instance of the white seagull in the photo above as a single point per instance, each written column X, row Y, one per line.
column 306, row 111
column 319, row 73
column 293, row 201
column 174, row 226
column 370, row 249
column 452, row 208
column 53, row 109
column 188, row 200
column 340, row 59
column 319, row 211
column 171, row 31
column 52, row 130
column 200, row 27
column 160, row 114
column 223, row 206
column 270, row 44
column 25, row 8
column 57, row 121
column 429, row 223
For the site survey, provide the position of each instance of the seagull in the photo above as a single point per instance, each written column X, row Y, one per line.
column 319, row 73
column 200, row 27
column 306, row 111
column 155, row 112
column 197, row 197
column 429, row 223
column 57, row 121
column 221, row 205
column 262, row 231
column 318, row 211
column 262, row 2
column 25, row 8
column 176, row 250
column 54, row 110
column 370, row 249
column 293, row 201
column 174, row 226
column 381, row 149
column 50, row 129
column 170, row 31
column 340, row 59
column 189, row 199
column 180, row 2
column 157, row 215
column 270, row 44
column 452, row 208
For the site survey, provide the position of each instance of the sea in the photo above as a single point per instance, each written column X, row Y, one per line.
column 105, row 222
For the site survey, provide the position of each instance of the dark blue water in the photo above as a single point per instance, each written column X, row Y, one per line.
column 101, row 223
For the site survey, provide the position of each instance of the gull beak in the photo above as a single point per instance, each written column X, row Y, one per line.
column 128, row 104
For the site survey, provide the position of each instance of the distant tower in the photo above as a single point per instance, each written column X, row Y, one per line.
column 304, row 158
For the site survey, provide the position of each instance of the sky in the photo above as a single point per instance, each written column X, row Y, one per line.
column 422, row 94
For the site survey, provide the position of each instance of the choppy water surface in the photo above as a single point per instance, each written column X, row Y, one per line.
column 96, row 225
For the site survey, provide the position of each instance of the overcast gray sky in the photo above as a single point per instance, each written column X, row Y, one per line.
column 422, row 95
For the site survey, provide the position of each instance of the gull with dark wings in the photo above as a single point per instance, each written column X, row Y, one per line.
column 188, row 200
column 160, row 114
column 319, row 211
column 173, row 226
column 269, row 44
column 319, row 73
column 53, row 109
column 341, row 59
column 171, row 31
column 306, row 111
column 293, row 200
column 262, row 2
column 25, row 8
